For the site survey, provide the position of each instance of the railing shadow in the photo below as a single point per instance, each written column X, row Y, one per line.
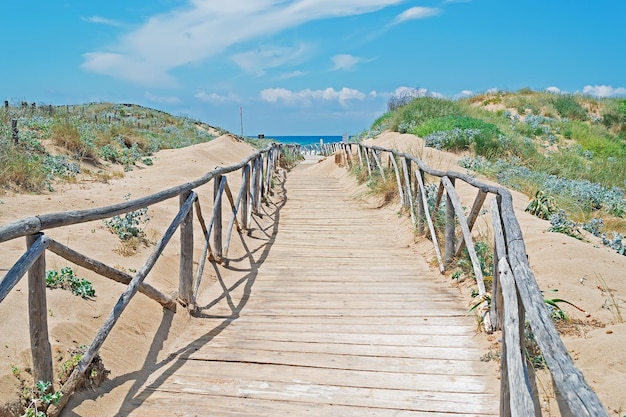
column 136, row 395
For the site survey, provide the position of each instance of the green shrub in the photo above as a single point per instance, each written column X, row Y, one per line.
column 567, row 106
column 69, row 281
column 423, row 108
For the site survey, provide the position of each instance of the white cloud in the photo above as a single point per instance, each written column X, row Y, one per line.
column 346, row 62
column 464, row 94
column 492, row 90
column 604, row 90
column 204, row 28
column 307, row 96
column 417, row 13
column 162, row 100
column 292, row 74
column 215, row 98
column 103, row 21
column 554, row 90
column 256, row 61
column 134, row 69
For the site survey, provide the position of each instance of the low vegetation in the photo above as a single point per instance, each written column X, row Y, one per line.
column 67, row 279
column 567, row 152
column 56, row 143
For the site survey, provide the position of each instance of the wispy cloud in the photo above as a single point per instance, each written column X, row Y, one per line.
column 417, row 12
column 161, row 99
column 289, row 75
column 604, row 90
column 205, row 28
column 307, row 96
column 260, row 59
column 103, row 21
column 215, row 98
column 345, row 62
column 554, row 90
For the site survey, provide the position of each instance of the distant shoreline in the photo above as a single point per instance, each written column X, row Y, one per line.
column 304, row 140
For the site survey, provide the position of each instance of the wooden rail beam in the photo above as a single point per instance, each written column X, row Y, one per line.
column 109, row 272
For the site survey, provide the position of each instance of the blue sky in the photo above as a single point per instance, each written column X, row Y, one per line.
column 303, row 67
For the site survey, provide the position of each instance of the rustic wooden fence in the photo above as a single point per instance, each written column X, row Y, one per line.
column 257, row 171
column 515, row 298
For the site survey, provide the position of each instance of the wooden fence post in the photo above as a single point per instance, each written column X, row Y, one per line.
column 408, row 194
column 367, row 159
column 245, row 202
column 185, row 278
column 217, row 222
column 38, row 317
column 421, row 207
column 6, row 105
column 448, row 253
column 15, row 131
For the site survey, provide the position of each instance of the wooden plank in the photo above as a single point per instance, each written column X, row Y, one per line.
column 305, row 392
column 242, row 343
column 171, row 403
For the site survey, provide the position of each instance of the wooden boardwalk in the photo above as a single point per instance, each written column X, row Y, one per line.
column 340, row 320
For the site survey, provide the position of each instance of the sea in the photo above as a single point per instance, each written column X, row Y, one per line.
column 306, row 140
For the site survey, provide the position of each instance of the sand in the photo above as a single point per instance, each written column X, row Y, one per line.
column 585, row 273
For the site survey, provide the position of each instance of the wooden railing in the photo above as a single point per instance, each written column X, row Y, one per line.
column 257, row 171
column 515, row 298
